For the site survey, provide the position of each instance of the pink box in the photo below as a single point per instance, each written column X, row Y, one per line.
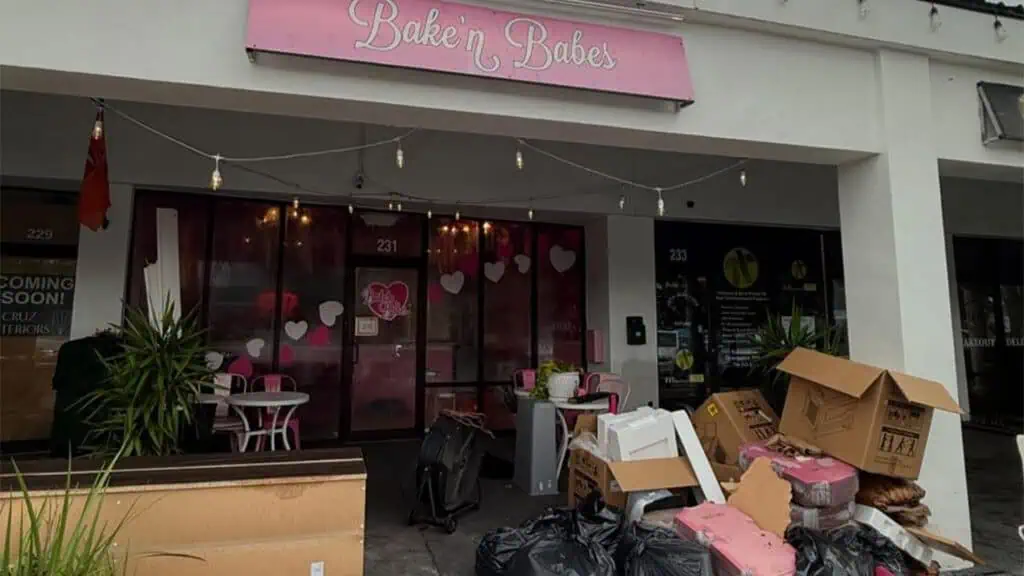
column 817, row 482
column 738, row 545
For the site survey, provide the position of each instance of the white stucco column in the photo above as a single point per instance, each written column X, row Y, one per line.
column 620, row 283
column 897, row 281
column 102, row 268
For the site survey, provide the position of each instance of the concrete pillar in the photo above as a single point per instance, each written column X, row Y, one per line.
column 897, row 281
column 102, row 268
column 620, row 283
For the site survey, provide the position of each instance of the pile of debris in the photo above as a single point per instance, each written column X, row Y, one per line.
column 826, row 490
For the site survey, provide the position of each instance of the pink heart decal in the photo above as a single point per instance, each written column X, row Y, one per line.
column 286, row 355
column 320, row 336
column 387, row 301
column 241, row 366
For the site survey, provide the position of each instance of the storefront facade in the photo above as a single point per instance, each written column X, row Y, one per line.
column 863, row 148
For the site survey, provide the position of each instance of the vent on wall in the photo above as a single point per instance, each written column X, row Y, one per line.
column 1002, row 112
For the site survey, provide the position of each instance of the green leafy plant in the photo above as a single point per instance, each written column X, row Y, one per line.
column 544, row 373
column 53, row 538
column 774, row 341
column 149, row 398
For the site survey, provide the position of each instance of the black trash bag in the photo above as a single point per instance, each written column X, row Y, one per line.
column 648, row 550
column 852, row 550
column 595, row 521
column 560, row 541
column 564, row 554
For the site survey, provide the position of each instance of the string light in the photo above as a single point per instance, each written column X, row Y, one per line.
column 622, row 202
column 457, row 215
column 97, row 126
column 391, row 205
column 743, row 178
column 295, row 203
column 529, row 213
column 863, row 8
column 934, row 18
column 1000, row 30
column 430, row 213
column 398, row 206
column 519, row 159
column 216, row 181
column 661, row 204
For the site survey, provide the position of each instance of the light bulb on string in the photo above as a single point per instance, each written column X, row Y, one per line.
column 519, row 159
column 351, row 208
column 863, row 8
column 622, row 202
column 1000, row 30
column 430, row 213
column 391, row 205
column 399, row 156
column 457, row 215
column 743, row 178
column 97, row 126
column 934, row 18
column 398, row 206
column 216, row 181
column 529, row 213
column 661, row 204
column 295, row 203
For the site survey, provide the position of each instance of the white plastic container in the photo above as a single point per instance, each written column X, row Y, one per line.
column 644, row 438
column 563, row 385
column 888, row 527
column 605, row 420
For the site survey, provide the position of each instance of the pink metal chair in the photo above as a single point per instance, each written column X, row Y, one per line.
column 276, row 383
column 607, row 382
column 224, row 385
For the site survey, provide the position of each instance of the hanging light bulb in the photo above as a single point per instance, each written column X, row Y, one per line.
column 430, row 213
column 351, row 209
column 399, row 156
column 391, row 205
column 863, row 8
column 661, row 204
column 622, row 202
column 398, row 205
column 457, row 215
column 529, row 213
column 743, row 178
column 97, row 126
column 1000, row 30
column 935, row 18
column 295, row 203
column 216, row 181
column 519, row 159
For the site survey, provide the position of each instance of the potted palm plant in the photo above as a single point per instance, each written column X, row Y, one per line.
column 148, row 403
column 781, row 335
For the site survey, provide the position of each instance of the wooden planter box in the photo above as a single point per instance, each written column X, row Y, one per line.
column 261, row 514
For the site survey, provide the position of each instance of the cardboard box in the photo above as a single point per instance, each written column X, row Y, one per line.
column 260, row 513
column 615, row 480
column 728, row 420
column 875, row 419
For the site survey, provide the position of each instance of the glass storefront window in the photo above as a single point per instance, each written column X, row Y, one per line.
column 312, row 313
column 508, row 287
column 560, row 278
column 453, row 280
column 37, row 282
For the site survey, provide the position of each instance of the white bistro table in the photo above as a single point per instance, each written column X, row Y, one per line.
column 560, row 407
column 273, row 401
column 206, row 398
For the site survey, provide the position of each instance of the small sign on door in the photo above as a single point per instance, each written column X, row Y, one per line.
column 366, row 326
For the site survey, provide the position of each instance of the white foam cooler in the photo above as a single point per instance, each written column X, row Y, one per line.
column 650, row 436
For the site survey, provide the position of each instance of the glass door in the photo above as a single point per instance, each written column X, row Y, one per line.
column 383, row 386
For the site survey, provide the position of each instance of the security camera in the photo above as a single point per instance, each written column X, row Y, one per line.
column 358, row 180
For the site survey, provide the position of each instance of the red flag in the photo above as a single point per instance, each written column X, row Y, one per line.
column 94, row 195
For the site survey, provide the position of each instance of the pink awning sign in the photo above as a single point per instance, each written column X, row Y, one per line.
column 470, row 40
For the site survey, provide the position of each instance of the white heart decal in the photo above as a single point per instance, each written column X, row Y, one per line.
column 452, row 283
column 296, row 330
column 214, row 360
column 561, row 259
column 254, row 347
column 493, row 271
column 329, row 312
column 522, row 263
